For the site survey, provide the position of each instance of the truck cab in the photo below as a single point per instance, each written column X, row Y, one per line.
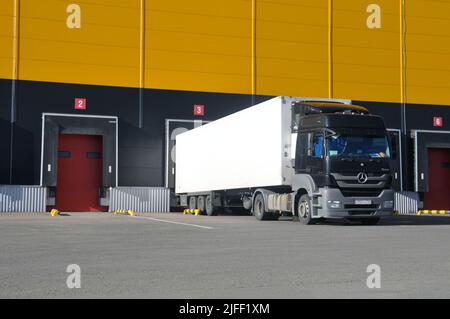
column 342, row 163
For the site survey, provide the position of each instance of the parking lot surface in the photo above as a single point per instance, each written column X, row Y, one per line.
column 184, row 256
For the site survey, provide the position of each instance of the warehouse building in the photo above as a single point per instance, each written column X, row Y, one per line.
column 93, row 92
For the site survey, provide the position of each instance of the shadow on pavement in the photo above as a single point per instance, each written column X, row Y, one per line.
column 416, row 220
column 389, row 221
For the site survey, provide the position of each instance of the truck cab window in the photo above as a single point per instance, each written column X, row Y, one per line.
column 358, row 146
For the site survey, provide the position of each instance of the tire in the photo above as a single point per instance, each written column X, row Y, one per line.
column 210, row 209
column 201, row 204
column 304, row 210
column 370, row 221
column 192, row 202
column 259, row 209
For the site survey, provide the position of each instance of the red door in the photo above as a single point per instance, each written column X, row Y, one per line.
column 438, row 195
column 79, row 173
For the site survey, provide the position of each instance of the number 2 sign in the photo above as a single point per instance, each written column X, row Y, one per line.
column 80, row 104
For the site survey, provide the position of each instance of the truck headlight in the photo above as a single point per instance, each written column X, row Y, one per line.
column 389, row 204
column 334, row 204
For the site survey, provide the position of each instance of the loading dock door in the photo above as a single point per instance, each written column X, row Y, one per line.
column 437, row 196
column 79, row 174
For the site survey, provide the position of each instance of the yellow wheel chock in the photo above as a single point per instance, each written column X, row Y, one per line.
column 54, row 212
column 128, row 212
column 195, row 212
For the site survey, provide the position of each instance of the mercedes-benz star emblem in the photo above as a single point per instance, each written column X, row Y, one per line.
column 362, row 178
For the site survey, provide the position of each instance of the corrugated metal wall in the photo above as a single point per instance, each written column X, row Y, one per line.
column 407, row 203
column 140, row 199
column 22, row 198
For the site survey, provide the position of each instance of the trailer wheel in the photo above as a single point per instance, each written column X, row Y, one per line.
column 192, row 202
column 304, row 210
column 211, row 210
column 259, row 209
column 201, row 204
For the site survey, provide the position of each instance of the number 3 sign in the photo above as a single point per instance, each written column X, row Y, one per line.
column 199, row 110
column 80, row 104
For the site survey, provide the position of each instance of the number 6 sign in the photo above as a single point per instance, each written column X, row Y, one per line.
column 80, row 104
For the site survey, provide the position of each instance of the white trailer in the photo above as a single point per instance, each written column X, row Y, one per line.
column 250, row 148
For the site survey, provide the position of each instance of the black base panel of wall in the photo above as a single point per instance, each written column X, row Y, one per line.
column 5, row 130
column 141, row 149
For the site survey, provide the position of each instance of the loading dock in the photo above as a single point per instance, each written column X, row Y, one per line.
column 173, row 128
column 438, row 179
column 432, row 168
column 88, row 143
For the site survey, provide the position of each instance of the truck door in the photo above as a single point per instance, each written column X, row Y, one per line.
column 309, row 158
column 396, row 159
column 173, row 128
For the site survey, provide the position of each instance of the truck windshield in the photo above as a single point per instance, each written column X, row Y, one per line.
column 358, row 146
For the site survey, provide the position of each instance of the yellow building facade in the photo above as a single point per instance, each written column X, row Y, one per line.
column 382, row 50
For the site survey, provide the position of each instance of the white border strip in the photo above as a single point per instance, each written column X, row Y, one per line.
column 172, row 222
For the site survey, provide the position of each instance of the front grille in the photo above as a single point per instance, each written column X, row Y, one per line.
column 366, row 183
column 361, row 192
column 358, row 212
column 369, row 174
column 356, row 206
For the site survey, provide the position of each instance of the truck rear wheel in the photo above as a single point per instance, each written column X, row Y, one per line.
column 210, row 209
column 304, row 210
column 259, row 209
column 192, row 202
column 201, row 204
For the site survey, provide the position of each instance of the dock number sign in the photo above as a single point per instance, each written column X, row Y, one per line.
column 199, row 110
column 438, row 121
column 80, row 104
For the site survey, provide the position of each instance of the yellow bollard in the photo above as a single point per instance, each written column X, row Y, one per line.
column 197, row 212
column 131, row 212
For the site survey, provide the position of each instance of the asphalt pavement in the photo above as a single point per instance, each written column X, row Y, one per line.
column 170, row 255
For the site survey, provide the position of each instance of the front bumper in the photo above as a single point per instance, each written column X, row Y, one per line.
column 361, row 207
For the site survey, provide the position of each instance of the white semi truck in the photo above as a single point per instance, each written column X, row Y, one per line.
column 313, row 159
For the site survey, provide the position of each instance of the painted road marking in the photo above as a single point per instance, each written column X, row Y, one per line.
column 172, row 222
column 433, row 212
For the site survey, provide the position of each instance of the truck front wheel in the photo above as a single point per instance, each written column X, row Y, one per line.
column 304, row 210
